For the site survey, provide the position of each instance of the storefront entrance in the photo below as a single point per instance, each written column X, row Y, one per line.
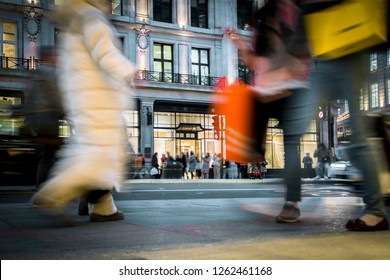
column 186, row 146
column 187, row 138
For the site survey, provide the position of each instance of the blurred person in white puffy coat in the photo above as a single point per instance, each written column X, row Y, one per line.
column 96, row 80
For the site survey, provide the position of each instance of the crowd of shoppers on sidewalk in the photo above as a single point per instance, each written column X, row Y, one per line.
column 205, row 167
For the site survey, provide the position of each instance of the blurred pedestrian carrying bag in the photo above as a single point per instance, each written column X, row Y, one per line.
column 346, row 28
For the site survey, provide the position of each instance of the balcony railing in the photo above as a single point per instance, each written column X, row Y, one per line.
column 7, row 62
column 145, row 75
column 174, row 78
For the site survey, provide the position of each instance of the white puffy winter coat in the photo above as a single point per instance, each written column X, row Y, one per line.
column 94, row 76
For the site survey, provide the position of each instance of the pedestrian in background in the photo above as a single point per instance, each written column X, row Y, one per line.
column 187, row 173
column 198, row 168
column 217, row 166
column 139, row 164
column 263, row 168
column 183, row 160
column 307, row 165
column 155, row 160
column 154, row 172
column 95, row 78
column 322, row 153
column 206, row 159
column 192, row 164
column 164, row 160
column 170, row 158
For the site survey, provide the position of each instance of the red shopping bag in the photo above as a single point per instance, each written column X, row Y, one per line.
column 245, row 127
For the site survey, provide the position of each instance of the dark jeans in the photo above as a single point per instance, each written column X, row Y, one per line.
column 342, row 79
column 294, row 114
column 322, row 169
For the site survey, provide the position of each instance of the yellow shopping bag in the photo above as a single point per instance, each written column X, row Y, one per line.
column 346, row 28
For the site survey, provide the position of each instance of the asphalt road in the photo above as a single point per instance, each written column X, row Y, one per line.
column 159, row 190
column 225, row 190
column 193, row 221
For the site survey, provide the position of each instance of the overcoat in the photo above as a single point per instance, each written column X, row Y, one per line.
column 94, row 77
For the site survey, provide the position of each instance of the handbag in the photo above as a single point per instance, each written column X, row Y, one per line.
column 346, row 28
column 245, row 127
column 154, row 171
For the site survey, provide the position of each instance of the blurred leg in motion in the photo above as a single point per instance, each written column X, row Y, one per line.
column 341, row 79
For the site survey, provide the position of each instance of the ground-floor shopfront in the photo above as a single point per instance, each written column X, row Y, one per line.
column 168, row 127
column 175, row 127
column 171, row 128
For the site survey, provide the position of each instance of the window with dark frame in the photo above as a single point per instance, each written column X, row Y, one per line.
column 373, row 62
column 199, row 13
column 8, row 44
column 117, row 7
column 163, row 61
column 244, row 73
column 8, row 39
column 374, row 95
column 162, row 10
column 244, row 14
column 200, row 65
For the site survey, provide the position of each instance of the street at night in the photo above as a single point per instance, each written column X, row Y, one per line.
column 202, row 139
column 195, row 219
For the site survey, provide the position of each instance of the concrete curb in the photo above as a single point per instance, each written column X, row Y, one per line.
column 204, row 181
column 17, row 188
column 229, row 181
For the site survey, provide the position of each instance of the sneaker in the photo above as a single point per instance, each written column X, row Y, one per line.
column 326, row 177
column 117, row 216
column 317, row 178
column 289, row 214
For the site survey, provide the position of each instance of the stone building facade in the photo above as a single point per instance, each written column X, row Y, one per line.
column 180, row 51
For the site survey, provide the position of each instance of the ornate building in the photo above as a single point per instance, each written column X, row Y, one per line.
column 181, row 52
